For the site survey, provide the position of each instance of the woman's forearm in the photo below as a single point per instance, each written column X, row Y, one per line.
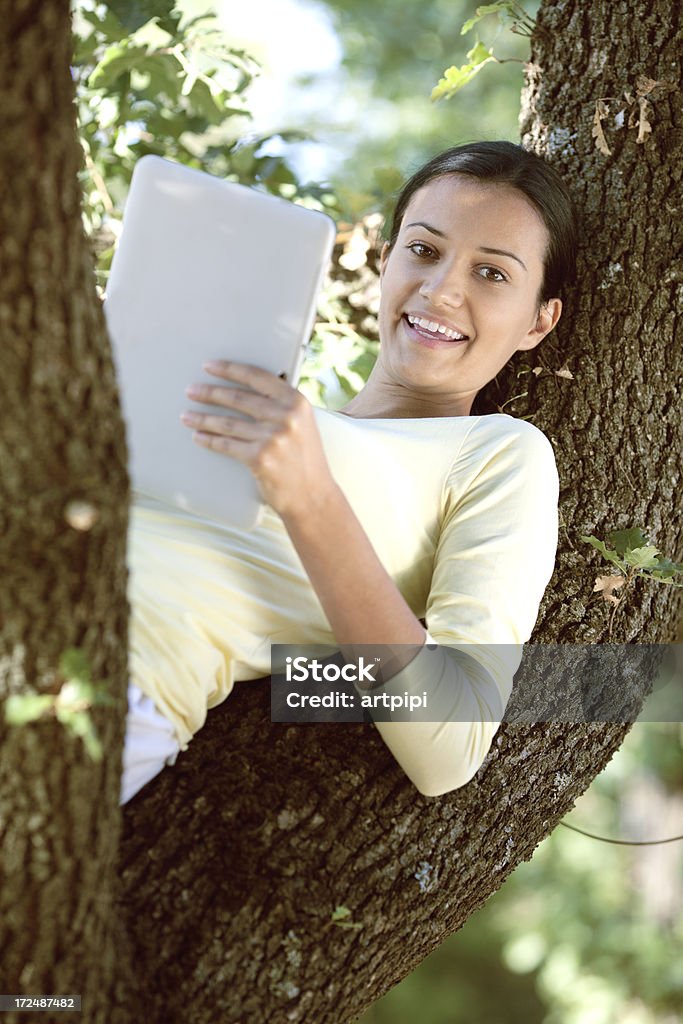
column 361, row 601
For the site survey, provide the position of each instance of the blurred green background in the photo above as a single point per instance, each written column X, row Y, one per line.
column 586, row 932
column 329, row 104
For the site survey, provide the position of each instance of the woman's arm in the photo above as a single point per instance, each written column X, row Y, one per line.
column 281, row 445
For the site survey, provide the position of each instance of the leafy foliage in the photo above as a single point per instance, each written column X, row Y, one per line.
column 632, row 555
column 149, row 80
column 392, row 56
column 70, row 706
column 517, row 18
column 454, row 78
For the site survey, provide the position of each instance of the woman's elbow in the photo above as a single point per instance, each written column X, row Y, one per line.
column 442, row 779
column 439, row 764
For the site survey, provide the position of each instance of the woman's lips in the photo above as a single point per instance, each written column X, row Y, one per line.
column 424, row 336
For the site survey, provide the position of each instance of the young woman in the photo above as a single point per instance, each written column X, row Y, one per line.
column 398, row 520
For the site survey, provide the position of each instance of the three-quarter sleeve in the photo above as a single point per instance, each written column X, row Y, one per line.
column 494, row 557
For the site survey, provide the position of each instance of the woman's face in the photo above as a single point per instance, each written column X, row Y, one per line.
column 460, row 289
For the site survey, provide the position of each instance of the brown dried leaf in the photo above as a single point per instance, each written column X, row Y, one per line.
column 606, row 585
column 564, row 372
column 538, row 370
column 601, row 111
column 645, row 85
column 644, row 126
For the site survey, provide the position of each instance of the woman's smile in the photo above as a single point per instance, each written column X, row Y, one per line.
column 433, row 332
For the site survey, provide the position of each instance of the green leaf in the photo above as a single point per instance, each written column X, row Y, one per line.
column 205, row 103
column 73, row 664
column 624, row 540
column 109, row 26
column 340, row 916
column 482, row 12
column 21, row 708
column 171, row 23
column 117, row 61
column 642, row 558
column 162, row 71
column 455, row 78
column 666, row 570
column 665, row 578
column 133, row 14
column 606, row 552
column 80, row 725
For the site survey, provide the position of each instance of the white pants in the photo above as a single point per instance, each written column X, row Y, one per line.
column 150, row 743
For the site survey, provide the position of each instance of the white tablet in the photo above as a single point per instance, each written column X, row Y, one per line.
column 205, row 269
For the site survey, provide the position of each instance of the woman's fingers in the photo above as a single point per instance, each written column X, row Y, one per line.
column 262, row 381
column 241, row 399
column 225, row 426
column 258, row 393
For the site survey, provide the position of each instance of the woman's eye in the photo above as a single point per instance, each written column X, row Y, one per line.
column 492, row 274
column 420, row 249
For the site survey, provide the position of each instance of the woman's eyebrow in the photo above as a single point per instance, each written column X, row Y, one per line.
column 502, row 252
column 423, row 224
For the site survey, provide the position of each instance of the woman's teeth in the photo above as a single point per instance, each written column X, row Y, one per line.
column 435, row 328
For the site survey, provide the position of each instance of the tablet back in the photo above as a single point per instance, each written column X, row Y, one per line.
column 205, row 269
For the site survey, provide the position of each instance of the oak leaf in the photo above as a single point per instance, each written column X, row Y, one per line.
column 601, row 112
column 645, row 85
column 644, row 126
column 606, row 585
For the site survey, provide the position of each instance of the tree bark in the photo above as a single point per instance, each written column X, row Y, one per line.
column 233, row 862
column 63, row 502
column 617, row 427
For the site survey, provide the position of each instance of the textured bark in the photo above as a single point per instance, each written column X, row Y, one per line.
column 233, row 862
column 617, row 427
column 61, row 444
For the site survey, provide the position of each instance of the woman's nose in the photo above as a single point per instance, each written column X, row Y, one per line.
column 443, row 287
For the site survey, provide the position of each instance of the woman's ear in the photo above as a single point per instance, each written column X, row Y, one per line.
column 383, row 257
column 548, row 315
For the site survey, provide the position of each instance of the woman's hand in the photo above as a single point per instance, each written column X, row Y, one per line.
column 279, row 442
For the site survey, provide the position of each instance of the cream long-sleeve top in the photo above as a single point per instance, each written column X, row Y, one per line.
column 462, row 513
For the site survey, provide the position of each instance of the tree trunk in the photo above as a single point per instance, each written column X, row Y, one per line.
column 63, row 501
column 233, row 862
column 617, row 427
